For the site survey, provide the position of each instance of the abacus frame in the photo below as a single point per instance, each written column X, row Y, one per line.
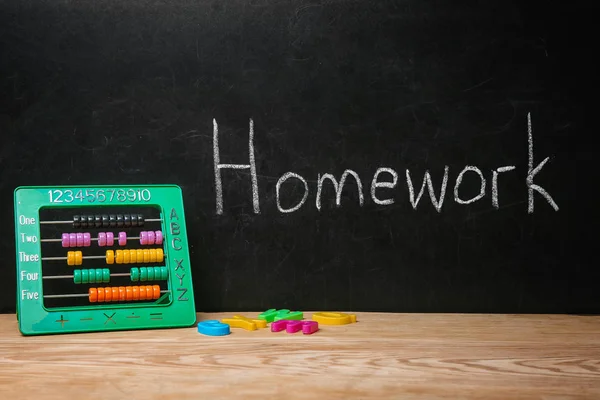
column 174, row 309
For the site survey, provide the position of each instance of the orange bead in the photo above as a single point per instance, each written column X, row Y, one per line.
column 128, row 293
column 149, row 292
column 156, row 290
column 100, row 295
column 115, row 293
column 136, row 292
column 122, row 293
column 93, row 293
column 107, row 294
column 142, row 292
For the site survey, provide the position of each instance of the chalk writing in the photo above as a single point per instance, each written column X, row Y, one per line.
column 459, row 181
column 436, row 196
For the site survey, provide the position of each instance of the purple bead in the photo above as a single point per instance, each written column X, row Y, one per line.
column 79, row 239
column 110, row 239
column 72, row 240
column 122, row 238
column 102, row 239
column 143, row 237
column 159, row 237
column 151, row 237
column 87, row 239
column 65, row 240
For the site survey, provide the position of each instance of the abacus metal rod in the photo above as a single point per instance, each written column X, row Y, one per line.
column 65, row 258
column 70, row 222
column 58, row 296
column 71, row 276
column 92, row 239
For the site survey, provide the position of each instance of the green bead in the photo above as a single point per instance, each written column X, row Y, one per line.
column 77, row 276
column 135, row 274
column 164, row 273
column 85, row 276
column 150, row 273
column 99, row 275
column 143, row 274
column 106, row 275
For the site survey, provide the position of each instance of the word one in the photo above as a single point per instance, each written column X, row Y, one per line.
column 437, row 199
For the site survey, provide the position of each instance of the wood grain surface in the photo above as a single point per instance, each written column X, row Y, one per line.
column 399, row 356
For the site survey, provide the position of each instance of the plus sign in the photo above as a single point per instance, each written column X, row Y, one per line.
column 62, row 321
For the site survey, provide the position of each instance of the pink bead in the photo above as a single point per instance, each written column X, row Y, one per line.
column 102, row 239
column 72, row 240
column 87, row 239
column 143, row 237
column 110, row 239
column 159, row 237
column 65, row 240
column 151, row 237
column 122, row 238
column 79, row 239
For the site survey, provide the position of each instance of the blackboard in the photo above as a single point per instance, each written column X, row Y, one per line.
column 135, row 92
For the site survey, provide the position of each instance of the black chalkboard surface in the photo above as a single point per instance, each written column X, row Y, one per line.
column 369, row 97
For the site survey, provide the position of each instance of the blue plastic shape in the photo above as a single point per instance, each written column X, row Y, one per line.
column 213, row 327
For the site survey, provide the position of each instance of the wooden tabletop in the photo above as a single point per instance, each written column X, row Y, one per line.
column 399, row 356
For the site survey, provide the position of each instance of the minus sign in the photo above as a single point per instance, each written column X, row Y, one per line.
column 159, row 313
column 85, row 319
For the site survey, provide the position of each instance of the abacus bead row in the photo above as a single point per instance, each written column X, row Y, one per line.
column 74, row 258
column 132, row 256
column 124, row 293
column 98, row 275
column 108, row 220
column 150, row 237
column 149, row 274
column 76, row 240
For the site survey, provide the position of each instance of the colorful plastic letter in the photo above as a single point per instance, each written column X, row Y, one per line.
column 286, row 314
column 278, row 326
column 213, row 327
column 270, row 314
column 239, row 321
column 309, row 327
column 293, row 326
column 274, row 314
column 334, row 318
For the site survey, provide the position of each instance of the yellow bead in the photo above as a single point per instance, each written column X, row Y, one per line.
column 159, row 255
column 126, row 257
column 152, row 253
column 70, row 258
column 110, row 257
column 119, row 257
column 132, row 256
column 140, row 255
column 146, row 256
column 78, row 258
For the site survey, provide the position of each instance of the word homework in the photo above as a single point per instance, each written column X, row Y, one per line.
column 437, row 197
